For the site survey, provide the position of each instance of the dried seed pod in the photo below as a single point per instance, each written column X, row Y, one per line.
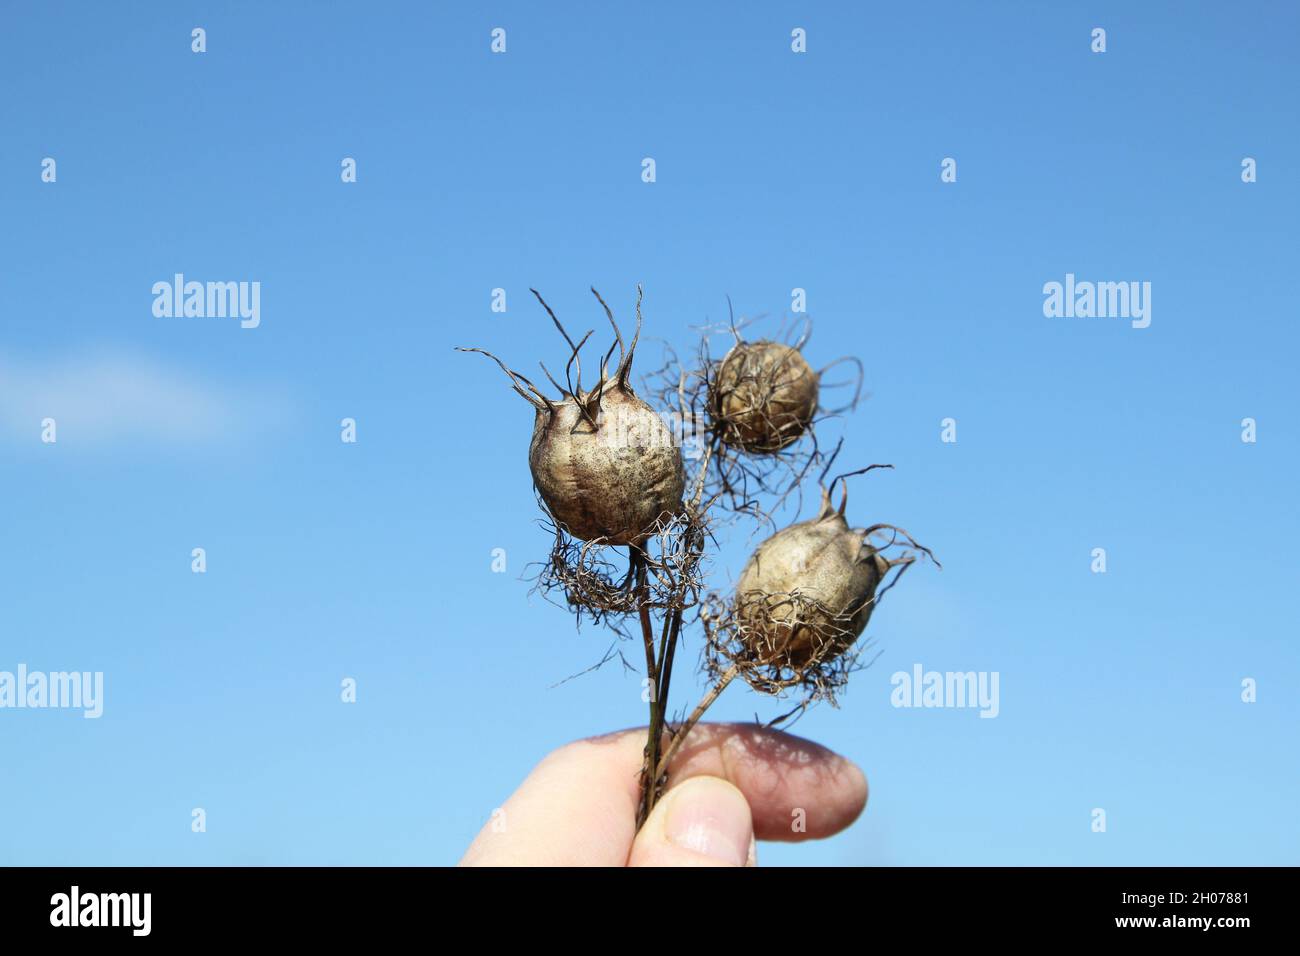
column 764, row 396
column 606, row 466
column 807, row 592
column 603, row 461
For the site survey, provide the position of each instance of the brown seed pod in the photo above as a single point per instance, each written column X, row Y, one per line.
column 808, row 591
column 763, row 397
column 603, row 461
column 606, row 466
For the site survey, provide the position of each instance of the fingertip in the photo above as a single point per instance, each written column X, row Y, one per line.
column 857, row 789
column 838, row 799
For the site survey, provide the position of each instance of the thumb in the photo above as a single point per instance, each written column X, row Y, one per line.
column 703, row 821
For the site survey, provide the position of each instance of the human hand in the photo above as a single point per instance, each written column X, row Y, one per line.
column 728, row 785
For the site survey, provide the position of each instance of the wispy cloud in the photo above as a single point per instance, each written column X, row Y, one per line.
column 108, row 398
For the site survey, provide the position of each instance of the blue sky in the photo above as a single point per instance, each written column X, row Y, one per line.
column 775, row 170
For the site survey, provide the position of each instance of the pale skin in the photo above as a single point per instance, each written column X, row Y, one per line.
column 729, row 785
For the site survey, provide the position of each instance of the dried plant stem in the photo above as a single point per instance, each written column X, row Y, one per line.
column 672, row 628
column 650, row 789
column 655, row 767
column 680, row 732
column 655, row 731
column 661, row 673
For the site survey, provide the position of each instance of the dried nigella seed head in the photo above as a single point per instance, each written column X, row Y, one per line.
column 606, row 466
column 764, row 397
column 808, row 591
column 603, row 461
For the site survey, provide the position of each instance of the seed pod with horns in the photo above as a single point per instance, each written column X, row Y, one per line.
column 807, row 592
column 603, row 460
column 764, row 396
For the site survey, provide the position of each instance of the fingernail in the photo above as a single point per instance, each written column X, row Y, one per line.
column 711, row 817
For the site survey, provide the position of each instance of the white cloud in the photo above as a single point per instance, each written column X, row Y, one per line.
column 108, row 398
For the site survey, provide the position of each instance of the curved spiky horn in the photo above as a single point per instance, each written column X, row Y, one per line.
column 576, row 363
column 899, row 532
column 617, row 334
column 827, row 509
column 537, row 399
column 850, row 474
column 591, row 407
column 625, row 365
column 573, row 349
column 551, row 378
